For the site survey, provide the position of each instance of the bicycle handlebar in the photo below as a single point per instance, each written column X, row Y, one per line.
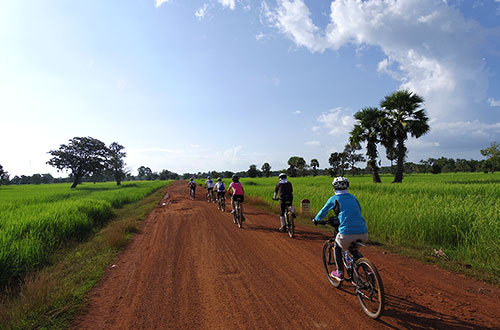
column 332, row 221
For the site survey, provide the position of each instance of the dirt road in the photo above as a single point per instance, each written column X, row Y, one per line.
column 190, row 267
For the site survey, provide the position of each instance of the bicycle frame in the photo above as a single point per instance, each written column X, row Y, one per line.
column 359, row 271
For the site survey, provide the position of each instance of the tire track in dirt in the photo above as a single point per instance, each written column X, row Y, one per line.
column 191, row 267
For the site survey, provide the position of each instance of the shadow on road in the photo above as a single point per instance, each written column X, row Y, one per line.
column 411, row 315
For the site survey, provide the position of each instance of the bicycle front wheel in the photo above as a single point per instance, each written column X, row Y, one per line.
column 369, row 288
column 329, row 262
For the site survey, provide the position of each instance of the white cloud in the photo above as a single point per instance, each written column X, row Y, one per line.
column 228, row 3
column 469, row 128
column 260, row 36
column 160, row 2
column 316, row 128
column 298, row 112
column 313, row 143
column 202, row 11
column 338, row 121
column 492, row 101
column 293, row 19
column 429, row 46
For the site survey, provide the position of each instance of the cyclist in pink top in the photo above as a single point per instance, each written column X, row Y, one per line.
column 238, row 193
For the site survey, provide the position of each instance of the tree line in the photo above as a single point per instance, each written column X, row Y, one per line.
column 399, row 116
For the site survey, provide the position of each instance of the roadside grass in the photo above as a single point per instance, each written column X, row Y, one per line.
column 37, row 219
column 457, row 213
column 50, row 297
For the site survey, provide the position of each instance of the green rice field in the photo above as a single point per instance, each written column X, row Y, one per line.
column 36, row 219
column 458, row 212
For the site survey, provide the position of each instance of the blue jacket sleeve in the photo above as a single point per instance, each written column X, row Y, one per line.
column 330, row 203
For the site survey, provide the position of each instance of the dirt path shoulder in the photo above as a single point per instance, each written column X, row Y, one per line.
column 190, row 267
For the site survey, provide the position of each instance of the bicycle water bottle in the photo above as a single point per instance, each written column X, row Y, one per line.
column 347, row 259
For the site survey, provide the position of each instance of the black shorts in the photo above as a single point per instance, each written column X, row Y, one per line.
column 283, row 206
column 220, row 194
column 238, row 198
column 210, row 190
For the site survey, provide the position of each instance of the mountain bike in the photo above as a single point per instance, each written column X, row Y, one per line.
column 210, row 196
column 358, row 270
column 289, row 222
column 237, row 214
column 221, row 204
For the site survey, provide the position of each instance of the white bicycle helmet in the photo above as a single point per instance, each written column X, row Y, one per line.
column 340, row 183
column 282, row 176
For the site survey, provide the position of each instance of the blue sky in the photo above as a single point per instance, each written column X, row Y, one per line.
column 218, row 85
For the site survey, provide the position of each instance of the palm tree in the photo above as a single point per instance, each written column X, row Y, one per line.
column 403, row 116
column 368, row 129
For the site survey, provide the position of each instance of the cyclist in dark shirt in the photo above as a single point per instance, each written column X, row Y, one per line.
column 285, row 190
column 192, row 186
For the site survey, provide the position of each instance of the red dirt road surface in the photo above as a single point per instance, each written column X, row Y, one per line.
column 190, row 267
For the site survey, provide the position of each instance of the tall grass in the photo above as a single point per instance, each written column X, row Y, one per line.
column 457, row 212
column 36, row 219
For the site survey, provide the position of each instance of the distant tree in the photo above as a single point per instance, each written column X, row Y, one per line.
column 337, row 163
column 436, row 168
column 167, row 175
column 493, row 154
column 47, row 178
column 144, row 173
column 297, row 165
column 403, row 116
column 81, row 156
column 36, row 179
column 252, row 171
column 115, row 163
column 368, row 129
column 266, row 169
column 228, row 174
column 352, row 157
column 4, row 176
column 314, row 165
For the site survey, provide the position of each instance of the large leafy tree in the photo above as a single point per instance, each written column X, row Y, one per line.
column 403, row 116
column 266, row 168
column 493, row 154
column 81, row 156
column 314, row 165
column 368, row 129
column 115, row 163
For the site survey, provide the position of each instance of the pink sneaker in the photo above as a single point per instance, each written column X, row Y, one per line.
column 338, row 275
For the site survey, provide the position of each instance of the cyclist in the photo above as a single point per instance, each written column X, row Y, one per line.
column 352, row 224
column 285, row 190
column 220, row 188
column 210, row 186
column 192, row 186
column 238, row 193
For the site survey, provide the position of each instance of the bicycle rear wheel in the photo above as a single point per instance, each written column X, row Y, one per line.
column 329, row 262
column 222, row 204
column 237, row 213
column 290, row 224
column 369, row 288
